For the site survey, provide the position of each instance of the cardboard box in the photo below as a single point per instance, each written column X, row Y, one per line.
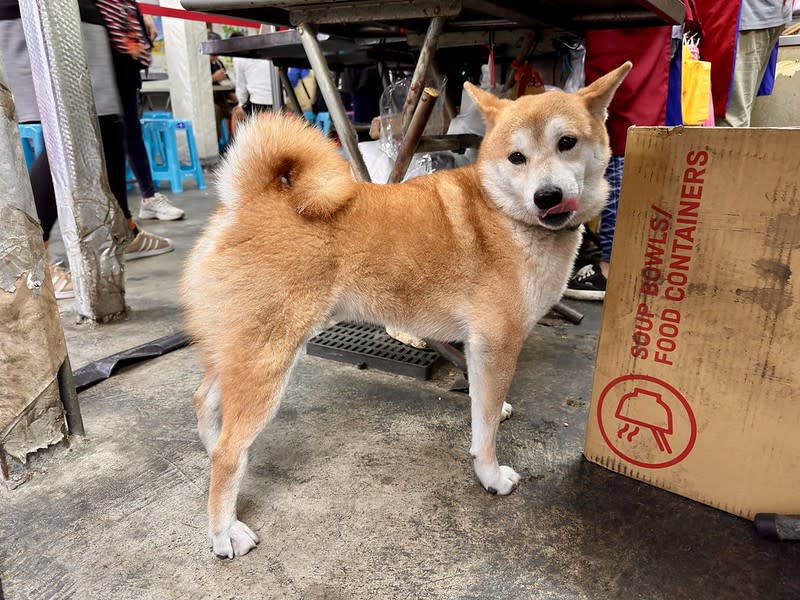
column 697, row 383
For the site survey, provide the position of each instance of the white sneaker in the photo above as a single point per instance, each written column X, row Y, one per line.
column 158, row 207
column 147, row 244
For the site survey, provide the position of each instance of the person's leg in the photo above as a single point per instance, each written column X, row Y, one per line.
column 219, row 114
column 44, row 195
column 238, row 116
column 753, row 49
column 608, row 218
column 144, row 244
column 114, row 153
column 113, row 150
column 112, row 132
column 154, row 205
column 259, row 108
column 134, row 142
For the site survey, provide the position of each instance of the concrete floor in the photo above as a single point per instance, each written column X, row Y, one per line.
column 361, row 488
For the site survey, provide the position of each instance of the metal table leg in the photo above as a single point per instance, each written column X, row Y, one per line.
column 274, row 76
column 451, row 353
column 294, row 103
column 426, row 53
column 347, row 134
column 69, row 398
column 411, row 139
column 570, row 314
column 383, row 73
column 275, row 83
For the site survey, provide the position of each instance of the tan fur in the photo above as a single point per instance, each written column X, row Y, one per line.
column 296, row 242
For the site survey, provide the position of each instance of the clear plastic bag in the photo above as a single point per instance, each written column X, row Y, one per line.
column 391, row 107
column 577, row 76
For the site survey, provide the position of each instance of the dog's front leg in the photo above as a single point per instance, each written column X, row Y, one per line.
column 491, row 361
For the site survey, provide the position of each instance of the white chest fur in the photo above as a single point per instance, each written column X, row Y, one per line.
column 548, row 261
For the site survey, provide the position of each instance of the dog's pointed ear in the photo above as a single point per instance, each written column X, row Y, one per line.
column 489, row 104
column 598, row 94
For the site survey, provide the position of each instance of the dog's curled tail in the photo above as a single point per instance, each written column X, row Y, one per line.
column 283, row 154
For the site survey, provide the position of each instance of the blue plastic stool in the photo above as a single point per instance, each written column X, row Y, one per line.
column 32, row 142
column 323, row 122
column 224, row 137
column 161, row 142
column 156, row 115
column 130, row 178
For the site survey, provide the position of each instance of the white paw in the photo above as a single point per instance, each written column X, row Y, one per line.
column 237, row 541
column 502, row 480
column 506, row 412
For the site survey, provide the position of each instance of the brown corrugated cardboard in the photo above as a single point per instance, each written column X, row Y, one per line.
column 697, row 383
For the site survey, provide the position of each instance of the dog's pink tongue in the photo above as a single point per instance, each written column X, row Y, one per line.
column 566, row 205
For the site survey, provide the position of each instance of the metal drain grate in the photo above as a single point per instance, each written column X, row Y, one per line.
column 361, row 344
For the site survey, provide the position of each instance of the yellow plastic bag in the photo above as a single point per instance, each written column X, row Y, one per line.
column 695, row 88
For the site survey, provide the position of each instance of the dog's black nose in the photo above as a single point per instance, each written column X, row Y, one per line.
column 547, row 197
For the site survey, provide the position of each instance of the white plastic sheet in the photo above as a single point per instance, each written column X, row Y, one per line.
column 91, row 221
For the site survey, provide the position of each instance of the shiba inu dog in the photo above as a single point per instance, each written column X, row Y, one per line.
column 477, row 254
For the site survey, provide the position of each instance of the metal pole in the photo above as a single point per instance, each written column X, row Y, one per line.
column 411, row 139
column 426, row 54
column 274, row 78
column 570, row 314
column 275, row 83
column 92, row 224
column 449, row 352
column 69, row 398
column 294, row 103
column 383, row 73
column 347, row 135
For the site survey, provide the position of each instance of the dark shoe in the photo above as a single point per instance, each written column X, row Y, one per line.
column 590, row 251
column 588, row 283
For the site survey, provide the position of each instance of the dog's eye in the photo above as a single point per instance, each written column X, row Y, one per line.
column 567, row 143
column 517, row 158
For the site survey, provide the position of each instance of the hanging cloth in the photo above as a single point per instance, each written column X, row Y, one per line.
column 642, row 97
column 720, row 21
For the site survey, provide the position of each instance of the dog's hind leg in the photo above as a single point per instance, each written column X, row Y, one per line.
column 491, row 359
column 206, row 404
column 250, row 385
